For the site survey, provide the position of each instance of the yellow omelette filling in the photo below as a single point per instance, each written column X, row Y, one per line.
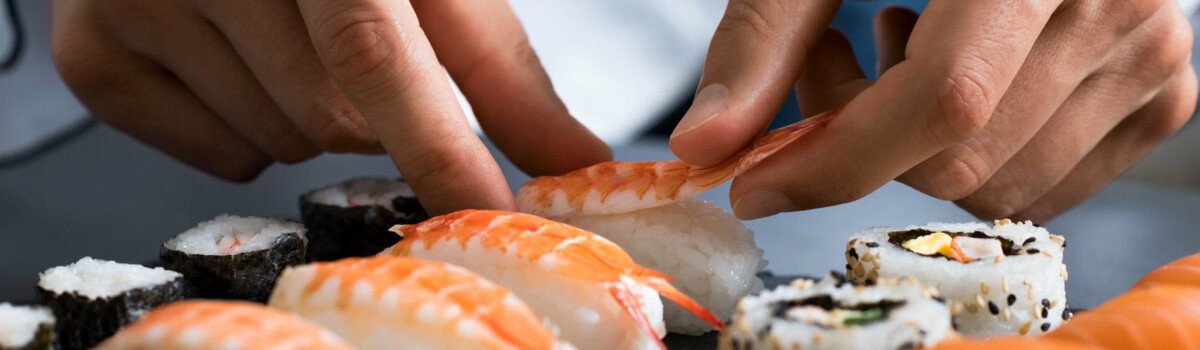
column 930, row 244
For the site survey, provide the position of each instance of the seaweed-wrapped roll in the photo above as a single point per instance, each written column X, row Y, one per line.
column 233, row 257
column 834, row 314
column 91, row 299
column 352, row 218
column 1009, row 278
column 26, row 327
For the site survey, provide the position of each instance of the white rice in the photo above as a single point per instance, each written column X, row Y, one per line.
column 710, row 253
column 215, row 237
column 1035, row 276
column 19, row 324
column 363, row 191
column 921, row 321
column 95, row 278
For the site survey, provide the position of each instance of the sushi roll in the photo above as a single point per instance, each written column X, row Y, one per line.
column 91, row 299
column 352, row 218
column 26, row 327
column 834, row 314
column 222, row 325
column 711, row 254
column 1009, row 279
column 234, row 257
column 387, row 302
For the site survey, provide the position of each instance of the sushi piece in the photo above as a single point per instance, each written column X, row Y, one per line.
column 91, row 299
column 1009, row 343
column 834, row 314
column 234, row 257
column 586, row 285
column 352, row 218
column 222, row 325
column 1009, row 278
column 26, row 327
column 1152, row 317
column 1185, row 271
column 711, row 254
column 388, row 302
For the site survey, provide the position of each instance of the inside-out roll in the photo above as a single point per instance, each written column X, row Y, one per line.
column 1008, row 278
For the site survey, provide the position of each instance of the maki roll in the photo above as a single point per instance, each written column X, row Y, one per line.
column 1009, row 278
column 234, row 257
column 91, row 299
column 222, row 325
column 352, row 218
column 834, row 314
column 26, row 327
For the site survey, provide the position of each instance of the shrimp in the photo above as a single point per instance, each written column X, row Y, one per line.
column 222, row 325
column 388, row 302
column 615, row 187
column 1153, row 317
column 1007, row 343
column 1185, row 271
column 585, row 284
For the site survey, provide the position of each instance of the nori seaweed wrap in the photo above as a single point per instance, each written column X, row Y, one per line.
column 92, row 299
column 234, row 257
column 351, row 219
column 26, row 327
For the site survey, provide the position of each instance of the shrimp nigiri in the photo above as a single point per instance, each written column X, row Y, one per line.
column 1007, row 343
column 1185, row 271
column 388, row 302
column 222, row 325
column 614, row 187
column 1154, row 317
column 588, row 286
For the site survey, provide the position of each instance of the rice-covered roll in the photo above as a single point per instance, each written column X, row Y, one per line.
column 834, row 314
column 91, row 299
column 26, row 327
column 1009, row 279
column 201, row 325
column 233, row 257
column 352, row 218
column 710, row 253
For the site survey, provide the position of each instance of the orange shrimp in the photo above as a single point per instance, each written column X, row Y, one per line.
column 384, row 302
column 1185, row 271
column 1022, row 343
column 222, row 325
column 615, row 187
column 1154, row 317
column 585, row 284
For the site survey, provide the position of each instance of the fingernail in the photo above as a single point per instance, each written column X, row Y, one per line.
column 708, row 104
column 761, row 203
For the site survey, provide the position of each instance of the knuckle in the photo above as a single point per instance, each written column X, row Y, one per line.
column 358, row 42
column 954, row 178
column 746, row 17
column 433, row 170
column 965, row 99
column 993, row 205
column 335, row 128
column 1181, row 108
column 1170, row 45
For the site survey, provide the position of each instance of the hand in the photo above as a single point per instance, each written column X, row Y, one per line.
column 232, row 86
column 1011, row 109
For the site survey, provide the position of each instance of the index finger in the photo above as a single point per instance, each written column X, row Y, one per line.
column 379, row 56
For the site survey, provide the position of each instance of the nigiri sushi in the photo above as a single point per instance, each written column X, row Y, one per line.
column 1012, row 343
column 388, row 302
column 352, row 218
column 232, row 257
column 586, row 285
column 222, row 325
column 1153, row 317
column 26, row 327
column 1185, row 271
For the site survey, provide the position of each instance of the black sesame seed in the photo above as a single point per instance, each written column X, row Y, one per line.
column 840, row 278
column 1032, row 251
column 1045, row 312
column 1030, row 240
column 869, row 282
column 1066, row 314
column 995, row 310
column 853, row 253
column 910, row 345
column 940, row 299
column 1046, row 302
column 1011, row 299
column 849, row 268
column 1045, row 327
column 872, row 244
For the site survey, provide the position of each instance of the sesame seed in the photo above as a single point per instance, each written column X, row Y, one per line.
column 995, row 310
column 1004, row 284
column 1057, row 238
column 870, row 282
column 1030, row 294
column 979, row 300
column 999, row 258
column 1045, row 327
column 1048, row 255
column 1054, row 303
column 1004, row 314
column 1046, row 302
column 872, row 244
column 1032, row 251
column 1025, row 328
column 1045, row 312
column 1002, row 222
column 849, row 268
column 853, row 253
column 853, row 240
column 1030, row 240
column 1011, row 299
column 1066, row 315
column 983, row 287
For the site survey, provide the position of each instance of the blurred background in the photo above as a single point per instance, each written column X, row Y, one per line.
column 71, row 187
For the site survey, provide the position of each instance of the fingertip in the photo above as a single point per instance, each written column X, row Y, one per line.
column 711, row 144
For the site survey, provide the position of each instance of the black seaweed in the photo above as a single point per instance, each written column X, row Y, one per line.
column 336, row 232
column 779, row 309
column 899, row 237
column 82, row 322
column 246, row 276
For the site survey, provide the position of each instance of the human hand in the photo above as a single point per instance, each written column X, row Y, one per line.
column 232, row 86
column 1011, row 109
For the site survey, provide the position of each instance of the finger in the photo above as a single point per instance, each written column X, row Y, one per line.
column 283, row 61
column 754, row 59
column 1108, row 96
column 831, row 77
column 487, row 53
column 892, row 26
column 1130, row 141
column 378, row 55
column 209, row 67
column 165, row 115
column 958, row 65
